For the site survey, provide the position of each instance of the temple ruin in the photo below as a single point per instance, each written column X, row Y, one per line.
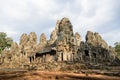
column 63, row 46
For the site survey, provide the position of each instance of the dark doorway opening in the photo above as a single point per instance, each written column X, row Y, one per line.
column 62, row 56
column 94, row 55
column 30, row 59
column 52, row 52
column 86, row 53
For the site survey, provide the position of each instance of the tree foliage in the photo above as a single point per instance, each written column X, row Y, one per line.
column 117, row 47
column 5, row 42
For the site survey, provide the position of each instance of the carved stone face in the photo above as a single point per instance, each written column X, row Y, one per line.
column 65, row 27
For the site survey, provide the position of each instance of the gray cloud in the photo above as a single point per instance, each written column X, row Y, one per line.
column 24, row 16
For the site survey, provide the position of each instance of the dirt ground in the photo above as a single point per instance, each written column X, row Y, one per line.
column 47, row 75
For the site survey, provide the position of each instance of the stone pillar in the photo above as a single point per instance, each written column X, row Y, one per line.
column 69, row 56
column 72, row 55
column 64, row 56
column 60, row 56
column 43, row 59
column 34, row 58
column 40, row 59
column 90, row 56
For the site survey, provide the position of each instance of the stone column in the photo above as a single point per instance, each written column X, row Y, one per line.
column 90, row 56
column 59, row 56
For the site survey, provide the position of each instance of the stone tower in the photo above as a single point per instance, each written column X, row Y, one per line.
column 66, row 42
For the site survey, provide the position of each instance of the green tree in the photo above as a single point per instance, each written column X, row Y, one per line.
column 117, row 47
column 5, row 42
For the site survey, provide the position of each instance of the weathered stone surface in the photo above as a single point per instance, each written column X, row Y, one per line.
column 28, row 47
column 32, row 38
column 42, row 44
column 90, row 38
column 112, row 53
column 28, row 40
column 65, row 29
column 24, row 39
column 100, row 41
column 78, row 38
column 63, row 45
column 95, row 40
column 43, row 40
column 15, row 49
column 95, row 50
column 5, row 54
column 65, row 41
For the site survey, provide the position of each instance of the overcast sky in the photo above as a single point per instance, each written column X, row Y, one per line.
column 25, row 16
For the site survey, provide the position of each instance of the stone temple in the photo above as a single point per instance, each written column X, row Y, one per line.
column 63, row 46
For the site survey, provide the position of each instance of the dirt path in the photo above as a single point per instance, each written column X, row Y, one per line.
column 45, row 75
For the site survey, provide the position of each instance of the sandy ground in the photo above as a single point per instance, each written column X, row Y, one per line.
column 46, row 75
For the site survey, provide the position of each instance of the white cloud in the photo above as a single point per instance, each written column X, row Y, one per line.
column 9, row 31
column 23, row 16
column 14, row 10
column 111, row 37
